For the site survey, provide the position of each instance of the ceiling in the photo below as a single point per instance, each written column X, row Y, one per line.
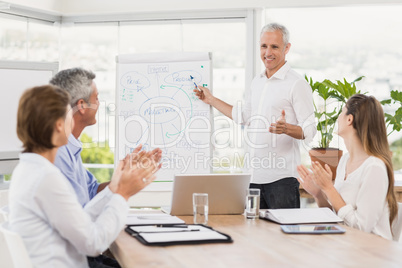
column 97, row 7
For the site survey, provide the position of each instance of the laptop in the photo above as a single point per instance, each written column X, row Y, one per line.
column 226, row 193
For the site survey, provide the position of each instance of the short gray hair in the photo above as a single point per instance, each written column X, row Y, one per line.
column 272, row 27
column 75, row 81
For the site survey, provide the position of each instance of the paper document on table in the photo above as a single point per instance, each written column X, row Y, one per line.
column 187, row 233
column 300, row 215
column 157, row 218
column 163, row 228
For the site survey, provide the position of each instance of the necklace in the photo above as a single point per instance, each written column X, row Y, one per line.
column 352, row 166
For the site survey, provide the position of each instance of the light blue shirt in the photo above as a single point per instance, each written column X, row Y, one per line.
column 68, row 160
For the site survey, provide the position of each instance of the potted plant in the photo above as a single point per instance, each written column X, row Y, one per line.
column 394, row 120
column 394, row 123
column 331, row 98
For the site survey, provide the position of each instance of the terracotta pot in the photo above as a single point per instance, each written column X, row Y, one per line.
column 329, row 156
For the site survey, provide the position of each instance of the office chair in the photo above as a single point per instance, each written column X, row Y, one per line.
column 13, row 253
column 3, row 214
column 3, row 197
column 397, row 224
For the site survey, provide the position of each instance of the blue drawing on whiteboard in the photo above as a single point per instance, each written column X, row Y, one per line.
column 163, row 99
column 190, row 115
column 184, row 78
column 142, row 135
column 135, row 80
column 160, row 110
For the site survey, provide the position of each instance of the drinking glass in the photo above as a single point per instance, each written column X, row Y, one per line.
column 253, row 203
column 200, row 208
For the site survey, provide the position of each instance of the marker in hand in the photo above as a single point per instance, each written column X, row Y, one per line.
column 192, row 78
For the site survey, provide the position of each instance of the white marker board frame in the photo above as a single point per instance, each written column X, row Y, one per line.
column 146, row 81
column 15, row 78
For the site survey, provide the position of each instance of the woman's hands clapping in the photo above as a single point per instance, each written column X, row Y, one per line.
column 316, row 180
column 135, row 171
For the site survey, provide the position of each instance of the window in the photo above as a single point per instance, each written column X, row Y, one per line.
column 347, row 42
column 23, row 39
column 28, row 39
column 95, row 51
column 226, row 39
column 101, row 42
column 43, row 41
column 13, row 38
column 147, row 37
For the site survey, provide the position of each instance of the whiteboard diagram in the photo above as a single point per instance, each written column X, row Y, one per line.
column 158, row 108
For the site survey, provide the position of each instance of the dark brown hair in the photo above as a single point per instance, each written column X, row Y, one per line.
column 38, row 110
column 368, row 120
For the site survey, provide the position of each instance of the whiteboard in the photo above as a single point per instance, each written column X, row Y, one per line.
column 156, row 107
column 15, row 78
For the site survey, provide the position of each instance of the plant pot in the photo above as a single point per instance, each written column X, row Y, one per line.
column 329, row 156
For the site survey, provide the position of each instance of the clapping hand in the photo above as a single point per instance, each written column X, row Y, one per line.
column 322, row 177
column 135, row 172
column 307, row 181
column 137, row 155
column 136, row 177
column 316, row 180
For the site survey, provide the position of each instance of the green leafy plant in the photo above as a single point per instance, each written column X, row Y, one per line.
column 329, row 92
column 97, row 153
column 396, row 148
column 395, row 119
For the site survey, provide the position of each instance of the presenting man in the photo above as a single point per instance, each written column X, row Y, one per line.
column 278, row 112
column 84, row 101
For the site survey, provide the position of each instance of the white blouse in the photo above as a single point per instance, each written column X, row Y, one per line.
column 56, row 230
column 364, row 192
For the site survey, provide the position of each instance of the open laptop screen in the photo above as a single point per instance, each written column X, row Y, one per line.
column 226, row 192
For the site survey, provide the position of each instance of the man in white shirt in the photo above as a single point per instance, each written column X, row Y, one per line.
column 278, row 113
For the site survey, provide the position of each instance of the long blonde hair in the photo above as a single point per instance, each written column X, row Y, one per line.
column 368, row 120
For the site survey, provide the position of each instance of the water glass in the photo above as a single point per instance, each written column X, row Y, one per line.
column 200, row 208
column 252, row 203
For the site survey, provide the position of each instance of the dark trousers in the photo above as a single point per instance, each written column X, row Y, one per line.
column 283, row 193
column 102, row 262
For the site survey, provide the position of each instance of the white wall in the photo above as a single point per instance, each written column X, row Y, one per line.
column 92, row 7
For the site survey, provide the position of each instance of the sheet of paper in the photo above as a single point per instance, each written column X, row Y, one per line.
column 159, row 218
column 156, row 229
column 202, row 234
column 304, row 215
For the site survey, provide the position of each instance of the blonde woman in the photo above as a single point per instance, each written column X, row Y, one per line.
column 363, row 192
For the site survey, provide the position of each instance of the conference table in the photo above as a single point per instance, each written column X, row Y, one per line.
column 260, row 243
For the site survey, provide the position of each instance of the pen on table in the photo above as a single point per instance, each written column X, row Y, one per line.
column 171, row 226
column 175, row 231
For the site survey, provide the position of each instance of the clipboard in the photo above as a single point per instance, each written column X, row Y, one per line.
column 169, row 235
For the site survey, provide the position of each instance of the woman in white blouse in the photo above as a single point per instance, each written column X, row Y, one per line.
column 44, row 209
column 363, row 192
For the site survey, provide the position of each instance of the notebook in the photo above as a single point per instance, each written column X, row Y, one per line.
column 226, row 193
column 300, row 215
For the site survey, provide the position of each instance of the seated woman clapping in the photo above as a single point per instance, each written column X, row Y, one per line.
column 44, row 208
column 363, row 192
